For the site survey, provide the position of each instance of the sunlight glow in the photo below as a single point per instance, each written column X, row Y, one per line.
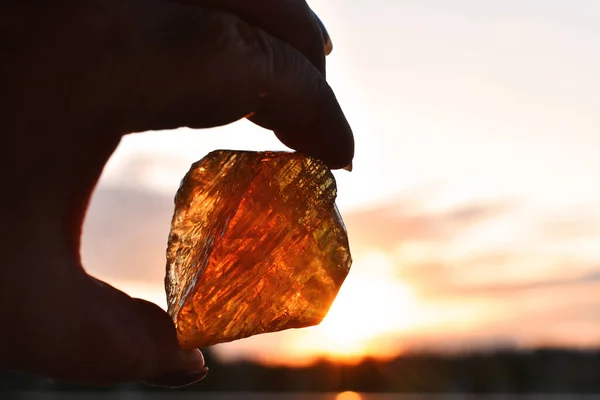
column 348, row 396
column 367, row 308
column 371, row 304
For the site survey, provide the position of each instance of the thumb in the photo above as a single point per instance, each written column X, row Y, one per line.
column 170, row 366
column 202, row 68
column 137, row 341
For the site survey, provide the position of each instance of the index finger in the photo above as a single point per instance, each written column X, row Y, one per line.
column 210, row 68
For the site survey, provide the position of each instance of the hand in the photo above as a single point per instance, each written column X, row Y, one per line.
column 75, row 76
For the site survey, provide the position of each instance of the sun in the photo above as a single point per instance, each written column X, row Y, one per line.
column 365, row 309
column 371, row 304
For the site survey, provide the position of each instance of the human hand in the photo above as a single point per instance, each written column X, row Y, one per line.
column 75, row 77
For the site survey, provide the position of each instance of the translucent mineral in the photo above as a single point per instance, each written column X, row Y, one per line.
column 256, row 245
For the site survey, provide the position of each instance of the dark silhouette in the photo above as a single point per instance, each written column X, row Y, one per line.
column 75, row 77
column 544, row 370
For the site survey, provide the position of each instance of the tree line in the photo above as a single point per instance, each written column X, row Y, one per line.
column 544, row 370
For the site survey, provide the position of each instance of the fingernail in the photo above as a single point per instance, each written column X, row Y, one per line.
column 178, row 379
column 328, row 46
column 195, row 360
column 348, row 167
column 326, row 38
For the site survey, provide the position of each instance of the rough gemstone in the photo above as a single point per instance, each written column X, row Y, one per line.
column 256, row 245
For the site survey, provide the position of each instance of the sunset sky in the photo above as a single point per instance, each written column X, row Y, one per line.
column 474, row 206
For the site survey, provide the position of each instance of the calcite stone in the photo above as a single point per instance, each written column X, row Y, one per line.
column 256, row 245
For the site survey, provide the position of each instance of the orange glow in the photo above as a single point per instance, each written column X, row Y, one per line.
column 371, row 304
column 372, row 308
column 364, row 310
column 348, row 396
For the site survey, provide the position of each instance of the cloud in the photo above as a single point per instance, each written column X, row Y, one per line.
column 512, row 288
column 125, row 234
column 571, row 227
column 386, row 226
column 553, row 250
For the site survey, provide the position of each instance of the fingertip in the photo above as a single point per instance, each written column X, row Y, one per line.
column 192, row 360
column 163, row 354
column 335, row 154
column 187, row 368
column 328, row 138
column 186, row 360
column 326, row 38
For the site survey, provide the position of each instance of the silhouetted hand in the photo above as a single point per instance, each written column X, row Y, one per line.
column 77, row 75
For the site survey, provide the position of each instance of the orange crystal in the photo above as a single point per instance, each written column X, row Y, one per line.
column 256, row 245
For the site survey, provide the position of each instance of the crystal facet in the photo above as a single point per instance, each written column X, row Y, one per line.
column 256, row 245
